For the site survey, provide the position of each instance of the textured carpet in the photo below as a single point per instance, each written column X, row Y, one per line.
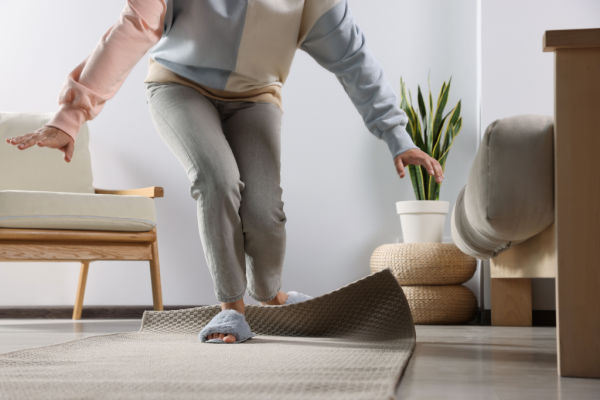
column 351, row 343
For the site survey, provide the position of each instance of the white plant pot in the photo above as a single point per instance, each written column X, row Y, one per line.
column 422, row 220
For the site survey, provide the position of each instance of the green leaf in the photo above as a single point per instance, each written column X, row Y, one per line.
column 436, row 192
column 419, row 142
column 435, row 195
column 414, row 121
column 452, row 124
column 430, row 182
column 438, row 121
column 429, row 126
column 413, row 180
column 422, row 108
column 456, row 128
column 414, row 125
column 456, row 113
column 403, row 91
column 418, row 177
column 436, row 146
column 447, row 136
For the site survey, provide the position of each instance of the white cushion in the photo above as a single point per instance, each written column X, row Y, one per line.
column 42, row 168
column 62, row 210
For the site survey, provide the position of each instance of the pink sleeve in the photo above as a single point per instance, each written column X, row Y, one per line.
column 97, row 78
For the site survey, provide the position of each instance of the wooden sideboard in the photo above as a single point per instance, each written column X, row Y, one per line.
column 577, row 199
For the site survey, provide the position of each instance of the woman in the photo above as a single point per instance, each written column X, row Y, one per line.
column 214, row 92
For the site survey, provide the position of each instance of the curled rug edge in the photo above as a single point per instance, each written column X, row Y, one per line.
column 372, row 308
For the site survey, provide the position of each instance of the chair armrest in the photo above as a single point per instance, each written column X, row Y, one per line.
column 150, row 191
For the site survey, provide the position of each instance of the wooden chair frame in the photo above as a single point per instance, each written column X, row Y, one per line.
column 85, row 246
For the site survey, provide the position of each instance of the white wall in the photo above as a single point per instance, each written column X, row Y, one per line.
column 340, row 202
column 518, row 78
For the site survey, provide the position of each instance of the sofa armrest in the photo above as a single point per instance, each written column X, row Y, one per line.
column 509, row 194
column 150, row 191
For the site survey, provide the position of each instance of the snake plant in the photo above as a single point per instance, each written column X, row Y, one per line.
column 433, row 132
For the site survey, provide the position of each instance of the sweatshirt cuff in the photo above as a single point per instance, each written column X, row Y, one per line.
column 68, row 119
column 398, row 140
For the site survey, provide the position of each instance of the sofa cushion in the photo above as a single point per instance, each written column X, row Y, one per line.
column 509, row 195
column 42, row 168
column 64, row 210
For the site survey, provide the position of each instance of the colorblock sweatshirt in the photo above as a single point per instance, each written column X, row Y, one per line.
column 233, row 50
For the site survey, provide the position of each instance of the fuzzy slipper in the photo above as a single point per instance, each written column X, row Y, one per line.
column 227, row 321
column 296, row 297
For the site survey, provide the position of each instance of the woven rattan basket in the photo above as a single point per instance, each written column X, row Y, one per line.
column 424, row 263
column 452, row 304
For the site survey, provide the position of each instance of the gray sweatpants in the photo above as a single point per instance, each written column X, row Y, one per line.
column 230, row 151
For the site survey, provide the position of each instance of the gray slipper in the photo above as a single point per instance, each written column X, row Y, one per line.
column 296, row 297
column 227, row 321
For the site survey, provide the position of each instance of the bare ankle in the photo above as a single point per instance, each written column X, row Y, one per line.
column 236, row 305
column 279, row 299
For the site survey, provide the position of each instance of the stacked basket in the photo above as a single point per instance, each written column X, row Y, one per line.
column 431, row 275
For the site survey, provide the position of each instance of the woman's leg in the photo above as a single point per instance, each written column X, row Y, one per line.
column 253, row 131
column 190, row 125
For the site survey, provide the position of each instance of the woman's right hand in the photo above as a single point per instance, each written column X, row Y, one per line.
column 46, row 136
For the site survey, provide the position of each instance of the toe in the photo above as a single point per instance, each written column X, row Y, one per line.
column 229, row 338
column 226, row 337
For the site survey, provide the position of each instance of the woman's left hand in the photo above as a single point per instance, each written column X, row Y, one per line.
column 419, row 157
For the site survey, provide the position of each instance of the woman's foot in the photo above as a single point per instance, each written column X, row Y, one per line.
column 290, row 297
column 228, row 337
column 278, row 300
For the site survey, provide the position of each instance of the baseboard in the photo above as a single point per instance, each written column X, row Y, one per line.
column 89, row 312
column 539, row 317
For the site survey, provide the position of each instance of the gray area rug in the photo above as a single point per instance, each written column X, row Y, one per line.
column 352, row 343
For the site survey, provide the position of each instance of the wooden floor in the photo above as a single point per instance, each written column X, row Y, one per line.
column 450, row 362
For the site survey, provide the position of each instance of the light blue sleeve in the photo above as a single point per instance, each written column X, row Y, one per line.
column 338, row 45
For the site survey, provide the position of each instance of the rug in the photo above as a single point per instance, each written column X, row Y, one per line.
column 351, row 343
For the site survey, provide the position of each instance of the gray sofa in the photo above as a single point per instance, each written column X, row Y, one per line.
column 509, row 195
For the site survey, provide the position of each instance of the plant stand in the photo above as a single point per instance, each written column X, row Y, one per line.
column 431, row 275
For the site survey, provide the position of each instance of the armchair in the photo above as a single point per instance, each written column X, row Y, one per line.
column 50, row 210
